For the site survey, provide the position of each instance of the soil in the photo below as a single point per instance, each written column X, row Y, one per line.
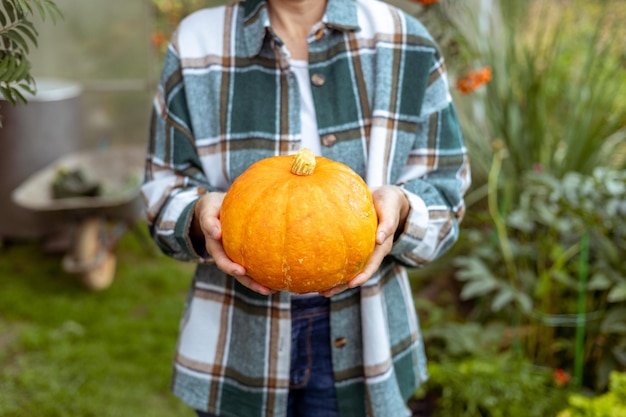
column 423, row 407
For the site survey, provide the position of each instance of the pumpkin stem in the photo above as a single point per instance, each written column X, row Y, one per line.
column 303, row 162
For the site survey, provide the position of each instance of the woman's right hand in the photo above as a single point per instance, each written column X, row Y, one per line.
column 206, row 223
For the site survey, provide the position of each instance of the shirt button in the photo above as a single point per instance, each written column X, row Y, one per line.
column 340, row 342
column 318, row 80
column 329, row 140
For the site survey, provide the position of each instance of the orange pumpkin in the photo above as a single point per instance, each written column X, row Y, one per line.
column 299, row 223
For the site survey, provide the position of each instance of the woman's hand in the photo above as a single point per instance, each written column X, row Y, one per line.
column 392, row 209
column 206, row 224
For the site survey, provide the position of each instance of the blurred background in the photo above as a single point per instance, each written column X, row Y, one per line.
column 106, row 48
column 524, row 316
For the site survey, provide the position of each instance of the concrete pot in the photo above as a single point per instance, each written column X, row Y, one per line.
column 33, row 136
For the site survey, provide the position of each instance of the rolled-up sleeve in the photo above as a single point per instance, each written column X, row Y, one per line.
column 436, row 177
column 174, row 179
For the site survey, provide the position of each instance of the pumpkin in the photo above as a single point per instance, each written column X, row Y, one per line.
column 299, row 223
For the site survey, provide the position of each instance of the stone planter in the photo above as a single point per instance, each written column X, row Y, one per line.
column 32, row 136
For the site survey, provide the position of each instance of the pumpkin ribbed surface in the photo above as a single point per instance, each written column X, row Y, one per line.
column 302, row 231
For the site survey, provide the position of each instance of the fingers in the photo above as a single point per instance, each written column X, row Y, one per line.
column 248, row 282
column 387, row 221
column 380, row 251
column 207, row 211
column 384, row 242
column 334, row 291
column 391, row 208
column 223, row 262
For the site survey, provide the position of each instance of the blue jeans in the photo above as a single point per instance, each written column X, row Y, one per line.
column 312, row 389
column 312, row 383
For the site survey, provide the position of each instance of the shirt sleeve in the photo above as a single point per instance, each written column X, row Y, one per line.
column 435, row 178
column 174, row 179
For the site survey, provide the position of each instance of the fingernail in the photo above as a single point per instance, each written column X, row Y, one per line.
column 381, row 236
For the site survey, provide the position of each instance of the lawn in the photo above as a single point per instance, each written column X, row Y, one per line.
column 65, row 351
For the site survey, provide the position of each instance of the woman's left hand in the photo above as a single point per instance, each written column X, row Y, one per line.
column 392, row 209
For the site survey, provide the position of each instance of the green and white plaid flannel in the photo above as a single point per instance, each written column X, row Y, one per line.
column 226, row 99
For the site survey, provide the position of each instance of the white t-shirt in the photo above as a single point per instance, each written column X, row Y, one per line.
column 310, row 136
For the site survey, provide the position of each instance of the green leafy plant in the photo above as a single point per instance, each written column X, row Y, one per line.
column 494, row 386
column 556, row 96
column 543, row 232
column 527, row 268
column 17, row 35
column 475, row 373
column 610, row 404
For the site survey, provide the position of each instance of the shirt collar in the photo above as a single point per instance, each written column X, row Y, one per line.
column 340, row 15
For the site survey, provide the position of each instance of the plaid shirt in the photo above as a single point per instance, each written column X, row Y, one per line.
column 227, row 98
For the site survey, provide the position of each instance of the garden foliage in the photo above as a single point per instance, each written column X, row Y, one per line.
column 610, row 404
column 541, row 247
column 531, row 272
column 496, row 386
column 17, row 35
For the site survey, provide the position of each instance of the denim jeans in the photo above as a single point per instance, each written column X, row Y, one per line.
column 312, row 384
column 312, row 390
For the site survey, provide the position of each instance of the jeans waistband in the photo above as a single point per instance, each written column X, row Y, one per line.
column 309, row 307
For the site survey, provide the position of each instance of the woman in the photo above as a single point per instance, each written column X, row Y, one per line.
column 357, row 81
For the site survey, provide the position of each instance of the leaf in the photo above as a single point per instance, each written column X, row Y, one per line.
column 525, row 302
column 21, row 72
column 8, row 94
column 48, row 8
column 472, row 268
column 520, row 220
column 8, row 68
column 564, row 278
column 599, row 282
column 545, row 214
column 614, row 321
column 19, row 97
column 40, row 9
column 24, row 6
column 18, row 39
column 10, row 10
column 4, row 65
column 617, row 293
column 478, row 288
column 504, row 297
column 28, row 86
column 29, row 30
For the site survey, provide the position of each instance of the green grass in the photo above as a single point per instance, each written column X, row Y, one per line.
column 65, row 351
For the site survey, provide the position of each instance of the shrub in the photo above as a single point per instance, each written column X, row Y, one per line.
column 17, row 35
column 610, row 404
